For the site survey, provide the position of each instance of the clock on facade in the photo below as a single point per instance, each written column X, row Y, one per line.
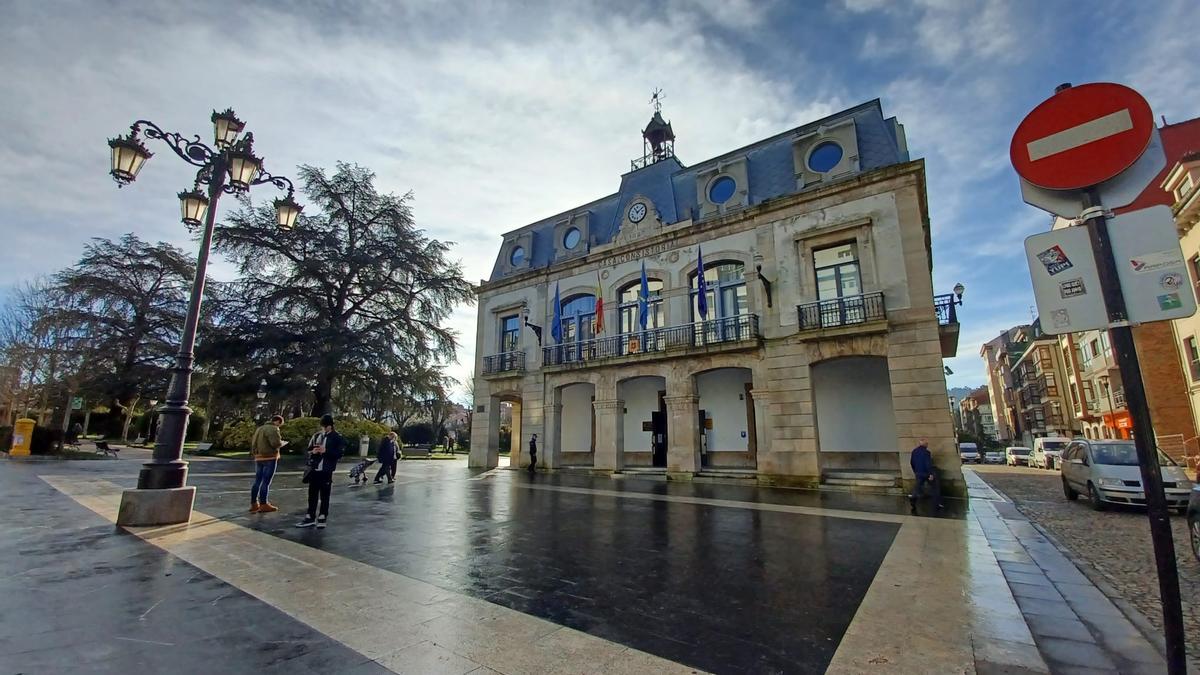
column 637, row 212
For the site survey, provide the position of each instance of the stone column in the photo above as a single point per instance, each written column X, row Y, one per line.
column 485, row 436
column 551, row 449
column 762, row 430
column 610, row 434
column 683, row 451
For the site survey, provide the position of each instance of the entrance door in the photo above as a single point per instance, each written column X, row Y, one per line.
column 658, row 441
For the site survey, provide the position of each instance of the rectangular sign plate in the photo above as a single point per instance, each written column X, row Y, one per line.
column 1151, row 267
column 1066, row 284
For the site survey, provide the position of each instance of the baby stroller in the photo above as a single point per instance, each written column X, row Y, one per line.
column 358, row 472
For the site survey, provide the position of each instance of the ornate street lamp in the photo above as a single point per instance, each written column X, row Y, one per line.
column 959, row 289
column 230, row 168
column 194, row 204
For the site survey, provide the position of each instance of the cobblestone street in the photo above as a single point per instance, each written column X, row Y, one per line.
column 1115, row 543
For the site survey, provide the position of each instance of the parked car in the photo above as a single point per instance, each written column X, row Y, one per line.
column 1193, row 518
column 1047, row 451
column 1017, row 454
column 968, row 453
column 1107, row 472
column 993, row 457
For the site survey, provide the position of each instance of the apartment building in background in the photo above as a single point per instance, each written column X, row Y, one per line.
column 1183, row 184
column 1039, row 378
column 977, row 417
column 998, row 355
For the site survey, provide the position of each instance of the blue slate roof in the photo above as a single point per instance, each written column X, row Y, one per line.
column 771, row 173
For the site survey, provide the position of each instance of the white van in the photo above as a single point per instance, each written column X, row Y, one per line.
column 1048, row 451
column 968, row 452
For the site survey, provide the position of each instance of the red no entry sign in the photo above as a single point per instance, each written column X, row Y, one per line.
column 1082, row 136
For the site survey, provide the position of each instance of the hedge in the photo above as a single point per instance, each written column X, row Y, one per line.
column 298, row 430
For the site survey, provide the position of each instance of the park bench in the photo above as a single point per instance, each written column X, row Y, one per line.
column 203, row 447
column 103, row 449
column 416, row 451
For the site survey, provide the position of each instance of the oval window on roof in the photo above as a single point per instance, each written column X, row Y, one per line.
column 571, row 238
column 517, row 257
column 721, row 190
column 825, row 157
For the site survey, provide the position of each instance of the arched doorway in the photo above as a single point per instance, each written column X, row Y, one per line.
column 644, row 420
column 856, row 424
column 727, row 425
column 577, row 424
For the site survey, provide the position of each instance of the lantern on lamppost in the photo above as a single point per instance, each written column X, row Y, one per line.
column 242, row 165
column 226, row 127
column 129, row 154
column 193, row 204
column 286, row 213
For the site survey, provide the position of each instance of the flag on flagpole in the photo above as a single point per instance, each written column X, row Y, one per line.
column 643, row 299
column 599, row 305
column 556, row 324
column 701, row 286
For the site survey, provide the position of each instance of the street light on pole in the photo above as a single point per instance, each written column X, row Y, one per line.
column 161, row 496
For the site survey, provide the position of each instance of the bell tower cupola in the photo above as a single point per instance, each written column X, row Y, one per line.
column 658, row 139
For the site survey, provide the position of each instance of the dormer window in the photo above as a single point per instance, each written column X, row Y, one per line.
column 824, row 157
column 517, row 257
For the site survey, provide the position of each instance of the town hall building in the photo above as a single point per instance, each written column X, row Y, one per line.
column 768, row 313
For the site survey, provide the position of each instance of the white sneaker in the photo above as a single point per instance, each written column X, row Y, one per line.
column 306, row 523
column 321, row 523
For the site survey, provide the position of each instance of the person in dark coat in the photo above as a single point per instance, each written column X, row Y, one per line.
column 387, row 458
column 325, row 449
column 926, row 475
column 533, row 454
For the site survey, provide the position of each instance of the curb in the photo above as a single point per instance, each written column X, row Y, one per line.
column 1152, row 634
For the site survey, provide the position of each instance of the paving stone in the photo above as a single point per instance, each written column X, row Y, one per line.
column 1058, row 651
column 1054, row 608
column 1050, row 626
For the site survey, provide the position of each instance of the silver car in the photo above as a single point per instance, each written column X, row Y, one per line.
column 1107, row 472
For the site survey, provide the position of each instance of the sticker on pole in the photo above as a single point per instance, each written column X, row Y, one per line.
column 1150, row 265
column 1066, row 284
column 1082, row 136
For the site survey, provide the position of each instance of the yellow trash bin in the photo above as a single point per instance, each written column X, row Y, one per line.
column 22, row 439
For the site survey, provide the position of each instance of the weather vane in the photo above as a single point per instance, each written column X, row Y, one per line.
column 656, row 100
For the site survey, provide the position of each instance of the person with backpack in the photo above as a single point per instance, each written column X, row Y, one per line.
column 325, row 449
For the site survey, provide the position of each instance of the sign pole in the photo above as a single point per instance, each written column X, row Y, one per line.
column 1143, row 438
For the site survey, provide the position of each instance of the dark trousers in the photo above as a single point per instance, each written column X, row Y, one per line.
column 388, row 469
column 263, row 473
column 319, row 486
column 933, row 486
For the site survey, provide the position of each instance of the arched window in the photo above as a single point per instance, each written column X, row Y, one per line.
column 627, row 307
column 578, row 324
column 726, row 282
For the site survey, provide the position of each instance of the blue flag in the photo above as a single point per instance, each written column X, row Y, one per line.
column 701, row 286
column 556, row 324
column 643, row 299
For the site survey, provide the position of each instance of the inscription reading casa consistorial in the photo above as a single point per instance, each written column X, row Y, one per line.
column 648, row 252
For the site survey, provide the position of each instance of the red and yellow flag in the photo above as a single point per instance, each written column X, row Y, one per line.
column 599, row 305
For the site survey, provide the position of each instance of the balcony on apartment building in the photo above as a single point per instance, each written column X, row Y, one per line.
column 730, row 333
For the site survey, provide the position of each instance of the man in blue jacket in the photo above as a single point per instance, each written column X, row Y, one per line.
column 926, row 475
column 325, row 450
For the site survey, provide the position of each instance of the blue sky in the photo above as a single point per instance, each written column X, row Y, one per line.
column 497, row 115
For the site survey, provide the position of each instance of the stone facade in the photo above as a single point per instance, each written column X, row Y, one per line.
column 746, row 392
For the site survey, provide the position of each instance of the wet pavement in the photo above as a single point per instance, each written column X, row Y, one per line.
column 453, row 570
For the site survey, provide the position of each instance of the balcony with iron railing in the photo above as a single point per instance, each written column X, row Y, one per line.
column 1118, row 397
column 505, row 363
column 732, row 332
column 947, row 315
column 854, row 310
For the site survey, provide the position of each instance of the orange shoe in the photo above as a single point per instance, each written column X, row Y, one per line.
column 267, row 508
column 254, row 507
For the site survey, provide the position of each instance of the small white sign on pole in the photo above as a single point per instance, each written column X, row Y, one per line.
column 1066, row 284
column 1150, row 265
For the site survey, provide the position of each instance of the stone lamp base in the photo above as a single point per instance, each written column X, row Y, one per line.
column 141, row 508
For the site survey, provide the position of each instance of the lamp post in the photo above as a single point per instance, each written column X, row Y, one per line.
column 231, row 168
column 262, row 396
column 150, row 424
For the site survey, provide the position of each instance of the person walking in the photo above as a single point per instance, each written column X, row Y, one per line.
column 926, row 475
column 532, row 453
column 264, row 446
column 326, row 448
column 387, row 458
